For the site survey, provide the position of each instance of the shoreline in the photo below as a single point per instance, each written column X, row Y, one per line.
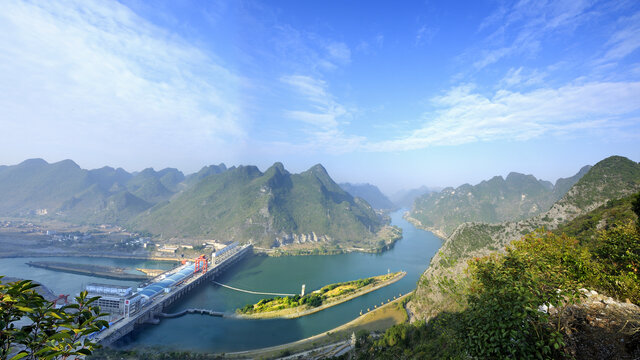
column 418, row 225
column 361, row 322
column 133, row 257
column 102, row 272
column 271, row 315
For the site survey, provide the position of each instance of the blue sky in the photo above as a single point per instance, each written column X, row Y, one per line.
column 398, row 94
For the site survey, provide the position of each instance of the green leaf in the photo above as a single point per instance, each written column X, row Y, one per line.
column 19, row 356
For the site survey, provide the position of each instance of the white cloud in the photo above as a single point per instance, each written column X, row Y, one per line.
column 307, row 51
column 424, row 35
column 339, row 52
column 624, row 40
column 522, row 27
column 372, row 45
column 313, row 89
column 96, row 74
column 322, row 113
column 521, row 77
column 464, row 116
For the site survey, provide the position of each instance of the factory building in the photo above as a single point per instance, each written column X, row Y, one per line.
column 164, row 285
column 116, row 300
column 219, row 256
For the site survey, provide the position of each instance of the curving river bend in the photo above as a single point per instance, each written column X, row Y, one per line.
column 264, row 274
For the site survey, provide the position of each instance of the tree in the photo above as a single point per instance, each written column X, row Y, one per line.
column 51, row 333
column 635, row 206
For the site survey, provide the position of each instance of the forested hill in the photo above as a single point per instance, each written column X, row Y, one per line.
column 370, row 193
column 515, row 197
column 273, row 208
column 610, row 179
column 64, row 191
column 573, row 293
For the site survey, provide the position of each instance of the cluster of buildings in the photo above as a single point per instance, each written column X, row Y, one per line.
column 55, row 236
column 126, row 301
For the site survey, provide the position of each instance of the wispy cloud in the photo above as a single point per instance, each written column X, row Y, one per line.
column 322, row 110
column 338, row 52
column 97, row 74
column 521, row 77
column 371, row 45
column 465, row 116
column 625, row 40
column 424, row 35
column 307, row 51
column 323, row 113
column 520, row 28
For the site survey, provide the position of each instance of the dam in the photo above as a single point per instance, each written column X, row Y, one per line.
column 148, row 303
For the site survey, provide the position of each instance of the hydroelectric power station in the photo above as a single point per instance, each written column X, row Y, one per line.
column 147, row 303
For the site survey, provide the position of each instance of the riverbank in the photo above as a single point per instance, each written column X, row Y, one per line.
column 385, row 240
column 303, row 310
column 378, row 320
column 418, row 224
column 107, row 272
column 77, row 254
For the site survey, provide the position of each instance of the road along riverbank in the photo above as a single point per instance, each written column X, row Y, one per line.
column 380, row 319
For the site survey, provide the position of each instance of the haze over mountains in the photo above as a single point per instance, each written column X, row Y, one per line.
column 65, row 191
column 517, row 197
column 370, row 193
column 271, row 209
column 612, row 178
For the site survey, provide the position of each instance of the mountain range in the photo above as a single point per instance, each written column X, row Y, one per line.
column 516, row 197
column 405, row 198
column 370, row 193
column 612, row 178
column 273, row 208
column 63, row 190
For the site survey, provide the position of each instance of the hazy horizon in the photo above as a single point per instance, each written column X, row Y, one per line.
column 427, row 93
column 385, row 191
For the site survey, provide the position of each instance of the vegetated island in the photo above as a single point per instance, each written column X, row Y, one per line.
column 109, row 272
column 290, row 307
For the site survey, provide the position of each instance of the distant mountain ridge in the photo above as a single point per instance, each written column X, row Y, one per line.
column 370, row 193
column 612, row 178
column 273, row 208
column 519, row 196
column 405, row 198
column 65, row 191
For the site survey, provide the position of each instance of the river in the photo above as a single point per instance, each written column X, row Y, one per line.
column 259, row 273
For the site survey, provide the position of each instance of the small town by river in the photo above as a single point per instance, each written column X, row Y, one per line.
column 195, row 332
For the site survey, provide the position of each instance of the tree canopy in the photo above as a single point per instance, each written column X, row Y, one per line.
column 49, row 332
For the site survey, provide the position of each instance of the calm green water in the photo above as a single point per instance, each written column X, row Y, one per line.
column 258, row 273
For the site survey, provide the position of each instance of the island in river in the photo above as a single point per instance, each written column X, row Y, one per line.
column 290, row 307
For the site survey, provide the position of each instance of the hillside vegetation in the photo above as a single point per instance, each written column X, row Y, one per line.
column 610, row 179
column 532, row 302
column 273, row 208
column 270, row 209
column 510, row 291
column 64, row 191
column 496, row 200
